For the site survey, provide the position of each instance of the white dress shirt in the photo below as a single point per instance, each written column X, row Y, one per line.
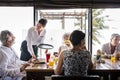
column 33, row 38
column 106, row 48
column 10, row 64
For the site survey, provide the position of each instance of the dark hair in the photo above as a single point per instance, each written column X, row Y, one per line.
column 76, row 37
column 43, row 22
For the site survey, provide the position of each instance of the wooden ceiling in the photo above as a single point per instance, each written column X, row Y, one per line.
column 58, row 4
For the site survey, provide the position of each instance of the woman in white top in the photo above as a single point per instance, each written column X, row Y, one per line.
column 35, row 36
column 66, row 43
column 11, row 67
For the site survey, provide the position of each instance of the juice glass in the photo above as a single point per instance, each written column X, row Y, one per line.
column 56, row 60
column 113, row 58
column 51, row 63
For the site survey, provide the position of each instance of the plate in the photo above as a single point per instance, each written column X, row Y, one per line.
column 45, row 46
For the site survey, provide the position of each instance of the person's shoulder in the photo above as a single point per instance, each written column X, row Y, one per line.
column 2, row 48
column 118, row 44
column 105, row 44
column 66, row 51
column 86, row 51
column 31, row 28
column 43, row 31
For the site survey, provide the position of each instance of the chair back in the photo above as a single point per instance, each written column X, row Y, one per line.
column 62, row 77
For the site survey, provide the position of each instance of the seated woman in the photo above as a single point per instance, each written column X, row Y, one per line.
column 66, row 45
column 77, row 60
column 11, row 67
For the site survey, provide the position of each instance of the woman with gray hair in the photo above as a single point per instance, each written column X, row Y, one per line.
column 66, row 45
column 11, row 67
column 4, row 37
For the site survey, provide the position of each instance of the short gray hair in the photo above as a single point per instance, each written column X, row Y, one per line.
column 114, row 35
column 4, row 35
column 66, row 34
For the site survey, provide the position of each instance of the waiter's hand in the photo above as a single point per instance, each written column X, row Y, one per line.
column 31, row 60
column 33, row 56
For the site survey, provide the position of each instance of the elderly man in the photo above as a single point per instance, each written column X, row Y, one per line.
column 11, row 67
column 112, row 48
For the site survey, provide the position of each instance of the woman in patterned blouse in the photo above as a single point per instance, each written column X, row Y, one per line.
column 77, row 60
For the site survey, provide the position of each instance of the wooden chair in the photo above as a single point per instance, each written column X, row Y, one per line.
column 62, row 77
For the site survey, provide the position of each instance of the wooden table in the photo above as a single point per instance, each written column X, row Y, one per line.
column 39, row 71
column 107, row 70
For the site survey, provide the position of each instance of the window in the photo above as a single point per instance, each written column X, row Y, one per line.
column 61, row 21
column 111, row 22
column 17, row 20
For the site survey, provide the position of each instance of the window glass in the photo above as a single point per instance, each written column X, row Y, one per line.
column 17, row 20
column 61, row 21
column 110, row 20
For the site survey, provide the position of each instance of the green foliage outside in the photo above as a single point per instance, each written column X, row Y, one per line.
column 98, row 24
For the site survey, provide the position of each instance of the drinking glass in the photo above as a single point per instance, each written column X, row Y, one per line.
column 113, row 58
column 47, row 57
column 55, row 60
column 51, row 63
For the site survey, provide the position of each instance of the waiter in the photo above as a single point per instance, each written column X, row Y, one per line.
column 35, row 36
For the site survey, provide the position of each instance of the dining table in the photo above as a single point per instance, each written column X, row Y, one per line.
column 108, row 70
column 104, row 69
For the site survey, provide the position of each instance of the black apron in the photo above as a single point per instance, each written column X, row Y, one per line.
column 25, row 55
